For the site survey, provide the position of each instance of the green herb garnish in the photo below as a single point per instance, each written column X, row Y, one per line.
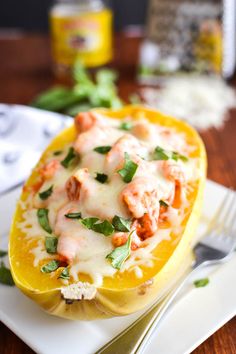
column 42, row 215
column 89, row 222
column 200, row 283
column 128, row 171
column 69, row 157
column 5, row 275
column 101, row 177
column 65, row 274
column 85, row 94
column 73, row 215
column 121, row 224
column 164, row 204
column 50, row 266
column 161, row 154
column 51, row 244
column 120, row 254
column 104, row 227
column 45, row 194
column 126, row 126
column 57, row 153
column 176, row 156
column 102, row 149
column 3, row 253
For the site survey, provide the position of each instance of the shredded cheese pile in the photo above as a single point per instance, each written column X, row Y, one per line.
column 202, row 101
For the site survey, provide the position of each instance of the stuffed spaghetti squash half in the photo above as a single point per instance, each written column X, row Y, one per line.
column 105, row 222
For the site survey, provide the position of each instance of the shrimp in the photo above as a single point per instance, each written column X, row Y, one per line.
column 68, row 245
column 173, row 172
column 91, row 138
column 115, row 157
column 141, row 198
column 84, row 121
column 120, row 238
column 73, row 184
column 49, row 169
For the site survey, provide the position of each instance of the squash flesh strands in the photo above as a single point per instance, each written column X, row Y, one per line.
column 123, row 293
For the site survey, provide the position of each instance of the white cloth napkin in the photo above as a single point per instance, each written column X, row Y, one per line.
column 24, row 133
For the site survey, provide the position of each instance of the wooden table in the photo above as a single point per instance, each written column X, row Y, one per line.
column 25, row 70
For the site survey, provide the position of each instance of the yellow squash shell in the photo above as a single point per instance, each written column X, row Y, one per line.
column 114, row 298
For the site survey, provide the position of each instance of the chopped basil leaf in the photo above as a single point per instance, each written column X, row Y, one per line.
column 51, row 244
column 102, row 149
column 129, row 169
column 101, row 177
column 73, row 215
column 65, row 274
column 69, row 157
column 58, row 152
column 45, row 194
column 105, row 228
column 161, row 154
column 50, row 266
column 164, row 204
column 89, row 222
column 176, row 156
column 200, row 283
column 120, row 254
column 121, row 224
column 5, row 275
column 43, row 219
column 126, row 126
column 3, row 253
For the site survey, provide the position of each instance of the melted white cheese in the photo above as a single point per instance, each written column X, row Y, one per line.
column 104, row 201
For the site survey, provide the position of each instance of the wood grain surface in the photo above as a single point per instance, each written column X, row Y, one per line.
column 25, row 70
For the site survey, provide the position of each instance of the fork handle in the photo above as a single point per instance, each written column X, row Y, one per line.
column 133, row 339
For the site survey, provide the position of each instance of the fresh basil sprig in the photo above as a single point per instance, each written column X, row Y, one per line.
column 104, row 227
column 65, row 274
column 120, row 254
column 50, row 266
column 101, row 177
column 200, row 283
column 162, row 154
column 121, row 224
column 45, row 194
column 102, row 149
column 3, row 253
column 51, row 244
column 5, row 275
column 73, row 215
column 128, row 171
column 42, row 215
column 69, row 157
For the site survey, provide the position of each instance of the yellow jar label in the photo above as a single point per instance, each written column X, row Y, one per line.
column 87, row 37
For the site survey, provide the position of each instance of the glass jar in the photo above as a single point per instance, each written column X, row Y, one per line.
column 80, row 30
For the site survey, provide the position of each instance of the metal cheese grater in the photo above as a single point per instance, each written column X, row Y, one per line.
column 189, row 36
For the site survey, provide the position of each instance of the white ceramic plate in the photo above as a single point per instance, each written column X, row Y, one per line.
column 195, row 315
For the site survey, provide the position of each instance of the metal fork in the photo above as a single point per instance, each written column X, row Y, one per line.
column 216, row 246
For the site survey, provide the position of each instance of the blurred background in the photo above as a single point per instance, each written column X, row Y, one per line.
column 127, row 12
